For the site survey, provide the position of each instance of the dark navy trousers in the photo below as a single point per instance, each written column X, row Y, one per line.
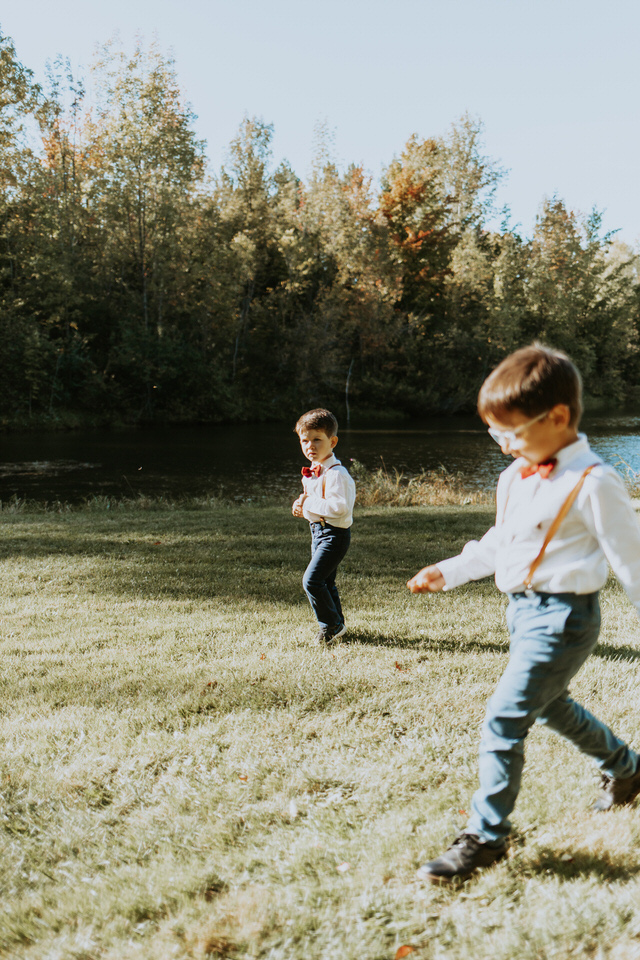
column 328, row 548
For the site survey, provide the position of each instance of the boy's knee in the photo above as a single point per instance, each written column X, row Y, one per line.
column 562, row 715
column 310, row 581
column 505, row 731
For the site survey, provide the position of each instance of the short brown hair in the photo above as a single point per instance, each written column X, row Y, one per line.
column 319, row 419
column 532, row 380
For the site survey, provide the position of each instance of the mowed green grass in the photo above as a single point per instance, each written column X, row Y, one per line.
column 183, row 774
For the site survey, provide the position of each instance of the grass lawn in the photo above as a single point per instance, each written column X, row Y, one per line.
column 184, row 774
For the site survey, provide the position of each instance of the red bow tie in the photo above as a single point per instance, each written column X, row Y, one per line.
column 314, row 471
column 544, row 469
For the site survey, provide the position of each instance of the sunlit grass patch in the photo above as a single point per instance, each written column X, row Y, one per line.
column 184, row 774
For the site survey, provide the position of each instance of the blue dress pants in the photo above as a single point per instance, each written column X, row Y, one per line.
column 551, row 637
column 328, row 548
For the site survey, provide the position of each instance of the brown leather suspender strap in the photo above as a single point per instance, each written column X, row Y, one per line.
column 553, row 529
column 324, row 473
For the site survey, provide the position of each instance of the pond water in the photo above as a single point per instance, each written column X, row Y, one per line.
column 247, row 459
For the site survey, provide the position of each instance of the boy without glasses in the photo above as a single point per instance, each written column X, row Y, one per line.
column 327, row 503
column 561, row 515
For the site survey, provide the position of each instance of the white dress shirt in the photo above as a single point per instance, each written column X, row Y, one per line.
column 336, row 506
column 601, row 526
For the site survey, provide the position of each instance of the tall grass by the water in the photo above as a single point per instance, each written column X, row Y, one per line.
column 631, row 477
column 428, row 488
column 184, row 774
column 377, row 487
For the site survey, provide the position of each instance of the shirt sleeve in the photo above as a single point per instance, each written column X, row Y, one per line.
column 335, row 502
column 477, row 560
column 609, row 515
column 478, row 557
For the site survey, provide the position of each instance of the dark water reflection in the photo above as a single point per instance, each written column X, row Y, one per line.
column 242, row 460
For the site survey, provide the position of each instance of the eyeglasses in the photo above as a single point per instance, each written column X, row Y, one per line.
column 511, row 436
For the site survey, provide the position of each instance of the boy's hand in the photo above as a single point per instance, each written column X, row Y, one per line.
column 427, row 580
column 296, row 509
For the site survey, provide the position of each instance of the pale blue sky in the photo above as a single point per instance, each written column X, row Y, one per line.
column 555, row 82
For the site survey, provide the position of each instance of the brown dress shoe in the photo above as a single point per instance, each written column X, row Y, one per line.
column 618, row 792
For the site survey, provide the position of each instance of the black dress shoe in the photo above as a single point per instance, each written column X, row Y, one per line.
column 618, row 792
column 466, row 854
column 326, row 637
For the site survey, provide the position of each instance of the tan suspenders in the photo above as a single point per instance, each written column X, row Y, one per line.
column 553, row 529
column 324, row 474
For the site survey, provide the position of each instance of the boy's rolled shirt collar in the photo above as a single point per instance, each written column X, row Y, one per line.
column 329, row 462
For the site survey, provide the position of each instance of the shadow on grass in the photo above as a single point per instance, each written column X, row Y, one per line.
column 569, row 865
column 258, row 553
column 616, row 653
column 374, row 638
column 229, row 564
column 230, row 553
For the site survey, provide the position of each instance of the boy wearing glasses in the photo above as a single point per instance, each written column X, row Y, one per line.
column 561, row 515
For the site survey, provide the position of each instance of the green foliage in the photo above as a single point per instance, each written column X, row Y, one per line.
column 135, row 286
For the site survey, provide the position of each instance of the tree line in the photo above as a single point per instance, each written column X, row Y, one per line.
column 136, row 284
